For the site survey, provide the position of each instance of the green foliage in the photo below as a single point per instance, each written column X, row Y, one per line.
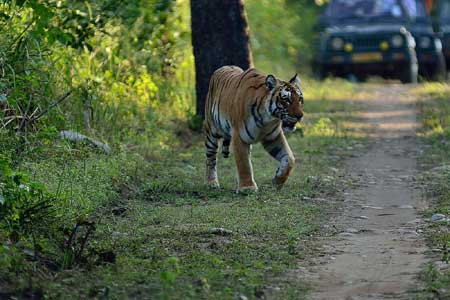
column 128, row 67
column 195, row 122
column 27, row 220
column 73, row 23
column 137, row 75
column 281, row 31
column 170, row 273
column 24, row 205
column 27, row 82
column 436, row 284
column 324, row 127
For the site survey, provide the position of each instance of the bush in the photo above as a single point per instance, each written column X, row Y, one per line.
column 128, row 66
column 25, row 206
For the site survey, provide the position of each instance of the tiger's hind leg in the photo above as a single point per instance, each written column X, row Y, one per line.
column 211, row 145
column 279, row 149
column 226, row 147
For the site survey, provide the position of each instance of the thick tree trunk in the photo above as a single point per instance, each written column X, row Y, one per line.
column 220, row 36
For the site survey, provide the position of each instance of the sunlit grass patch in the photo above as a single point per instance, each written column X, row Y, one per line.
column 433, row 90
column 329, row 89
column 434, row 108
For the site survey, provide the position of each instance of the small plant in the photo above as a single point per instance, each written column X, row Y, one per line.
column 76, row 242
column 324, row 127
column 195, row 123
column 171, row 272
column 24, row 205
column 27, row 219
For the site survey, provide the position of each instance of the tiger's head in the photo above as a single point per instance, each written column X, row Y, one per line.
column 286, row 102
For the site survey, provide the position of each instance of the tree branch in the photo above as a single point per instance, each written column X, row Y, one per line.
column 61, row 99
column 19, row 36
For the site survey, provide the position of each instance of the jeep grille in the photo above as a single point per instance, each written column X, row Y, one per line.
column 366, row 43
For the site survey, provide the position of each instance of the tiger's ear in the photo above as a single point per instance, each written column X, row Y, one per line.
column 295, row 80
column 271, row 82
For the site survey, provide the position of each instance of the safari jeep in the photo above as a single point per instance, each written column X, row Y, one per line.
column 389, row 38
column 442, row 22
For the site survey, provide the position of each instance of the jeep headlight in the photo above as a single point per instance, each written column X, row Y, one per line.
column 424, row 42
column 337, row 43
column 397, row 41
column 438, row 44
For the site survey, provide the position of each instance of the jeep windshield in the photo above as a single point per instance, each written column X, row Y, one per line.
column 443, row 11
column 398, row 11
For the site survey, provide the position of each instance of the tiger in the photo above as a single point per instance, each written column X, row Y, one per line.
column 246, row 107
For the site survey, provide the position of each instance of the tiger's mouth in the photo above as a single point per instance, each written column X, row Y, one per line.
column 289, row 123
column 288, row 126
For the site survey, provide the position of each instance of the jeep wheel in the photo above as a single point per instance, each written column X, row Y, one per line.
column 362, row 77
column 409, row 74
column 319, row 72
column 440, row 72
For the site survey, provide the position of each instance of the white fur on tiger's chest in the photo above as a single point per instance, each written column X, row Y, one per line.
column 253, row 131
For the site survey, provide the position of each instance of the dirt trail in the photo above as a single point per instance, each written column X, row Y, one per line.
column 379, row 252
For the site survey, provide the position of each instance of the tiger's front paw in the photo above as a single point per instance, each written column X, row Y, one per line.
column 246, row 190
column 213, row 184
column 278, row 182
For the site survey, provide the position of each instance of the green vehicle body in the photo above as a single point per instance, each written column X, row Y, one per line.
column 441, row 17
column 369, row 48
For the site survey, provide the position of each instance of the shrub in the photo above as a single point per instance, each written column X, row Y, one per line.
column 25, row 206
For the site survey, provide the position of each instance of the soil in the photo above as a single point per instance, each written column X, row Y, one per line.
column 378, row 250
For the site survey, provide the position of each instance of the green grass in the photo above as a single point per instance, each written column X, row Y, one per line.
column 434, row 109
column 154, row 217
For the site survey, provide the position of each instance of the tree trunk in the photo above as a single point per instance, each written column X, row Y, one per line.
column 220, row 36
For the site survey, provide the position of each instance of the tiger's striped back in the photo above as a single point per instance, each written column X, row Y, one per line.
column 232, row 92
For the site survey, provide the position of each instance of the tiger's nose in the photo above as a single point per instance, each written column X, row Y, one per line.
column 299, row 117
